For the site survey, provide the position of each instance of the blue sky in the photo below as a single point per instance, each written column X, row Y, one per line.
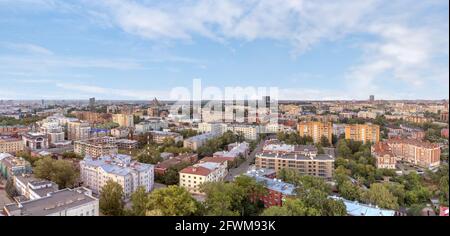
column 309, row 49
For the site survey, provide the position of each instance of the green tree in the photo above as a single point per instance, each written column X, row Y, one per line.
column 43, row 168
column 350, row 191
column 221, row 199
column 111, row 199
column 324, row 141
column 10, row 188
column 379, row 195
column 139, row 200
column 61, row 172
column 172, row 201
column 291, row 207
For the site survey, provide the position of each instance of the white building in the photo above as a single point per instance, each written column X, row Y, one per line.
column 32, row 188
column 193, row 177
column 150, row 125
column 66, row 202
column 121, row 169
column 197, row 141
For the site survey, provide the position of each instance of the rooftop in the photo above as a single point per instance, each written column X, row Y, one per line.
column 118, row 164
column 53, row 203
column 360, row 209
column 272, row 184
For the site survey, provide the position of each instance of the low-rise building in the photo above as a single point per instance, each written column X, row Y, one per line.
column 161, row 168
column 277, row 190
column 160, row 136
column 197, row 141
column 360, row 209
column 120, row 132
column 33, row 188
column 235, row 150
column 66, row 202
column 193, row 177
column 385, row 158
column 35, row 141
column 95, row 172
column 127, row 144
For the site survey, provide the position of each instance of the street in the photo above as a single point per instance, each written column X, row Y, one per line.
column 245, row 165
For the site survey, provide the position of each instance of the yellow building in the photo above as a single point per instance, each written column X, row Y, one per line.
column 10, row 145
column 124, row 120
column 363, row 132
column 316, row 130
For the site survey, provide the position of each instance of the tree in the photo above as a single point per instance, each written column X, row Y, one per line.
column 350, row 191
column 172, row 201
column 221, row 199
column 10, row 188
column 139, row 200
column 324, row 141
column 111, row 199
column 150, row 155
column 379, row 195
column 71, row 155
column 44, row 168
column 291, row 207
column 61, row 172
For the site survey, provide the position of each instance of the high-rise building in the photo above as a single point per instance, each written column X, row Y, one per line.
column 363, row 132
column 316, row 130
column 92, row 103
column 372, row 98
column 124, row 120
column 78, row 130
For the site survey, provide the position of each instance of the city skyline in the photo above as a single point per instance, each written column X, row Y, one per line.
column 138, row 50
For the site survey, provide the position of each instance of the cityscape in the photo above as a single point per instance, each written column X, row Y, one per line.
column 223, row 108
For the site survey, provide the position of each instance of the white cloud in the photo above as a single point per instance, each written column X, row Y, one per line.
column 28, row 48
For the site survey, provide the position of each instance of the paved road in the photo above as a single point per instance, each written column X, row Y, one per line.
column 245, row 165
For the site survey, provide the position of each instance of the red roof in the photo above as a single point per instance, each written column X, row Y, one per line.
column 216, row 159
column 196, row 171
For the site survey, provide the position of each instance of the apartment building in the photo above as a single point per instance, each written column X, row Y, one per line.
column 149, row 125
column 118, row 168
column 120, row 132
column 161, row 168
column 212, row 170
column 127, row 144
column 78, row 130
column 197, row 141
column 10, row 144
column 55, row 132
column 234, row 151
column 160, row 136
column 124, row 120
column 96, row 147
column 11, row 166
column 93, row 117
column 385, row 158
column 13, row 130
column 363, row 132
column 316, row 130
column 66, row 202
column 277, row 190
column 416, row 152
column 418, row 119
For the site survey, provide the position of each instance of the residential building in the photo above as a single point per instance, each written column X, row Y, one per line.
column 161, row 168
column 55, row 132
column 193, row 177
column 93, row 117
column 367, row 115
column 444, row 133
column 160, row 136
column 120, row 132
column 127, row 144
column 96, row 147
column 197, row 141
column 13, row 130
column 235, row 150
column 444, row 116
column 10, row 144
column 359, row 209
column 301, row 158
column 316, row 130
column 35, row 141
column 149, row 125
column 78, row 130
column 124, row 120
column 12, row 166
column 418, row 119
column 277, row 190
column 95, row 172
column 363, row 132
column 66, row 202
column 416, row 152
column 385, row 158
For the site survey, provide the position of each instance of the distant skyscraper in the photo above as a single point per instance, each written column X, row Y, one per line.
column 372, row 98
column 92, row 103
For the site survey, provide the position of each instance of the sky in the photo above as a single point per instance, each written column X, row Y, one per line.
column 308, row 49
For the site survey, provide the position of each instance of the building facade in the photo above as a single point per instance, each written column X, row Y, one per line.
column 96, row 147
column 363, row 132
column 119, row 168
column 316, row 130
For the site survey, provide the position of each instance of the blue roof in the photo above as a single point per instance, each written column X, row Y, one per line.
column 360, row 209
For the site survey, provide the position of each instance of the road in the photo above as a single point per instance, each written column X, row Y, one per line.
column 241, row 169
